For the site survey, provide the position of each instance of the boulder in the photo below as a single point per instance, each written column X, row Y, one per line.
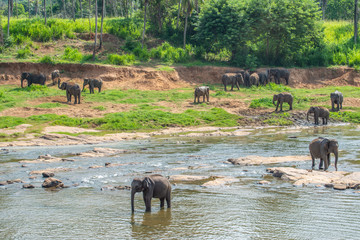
column 259, row 160
column 3, row 183
column 53, row 170
column 52, row 182
column 28, row 186
column 102, row 152
column 220, row 181
column 264, row 182
column 340, row 186
column 188, row 178
column 48, row 174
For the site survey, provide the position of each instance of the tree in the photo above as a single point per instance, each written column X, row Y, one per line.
column 1, row 32
column 64, row 12
column 9, row 12
column 96, row 13
column 81, row 9
column 178, row 15
column 73, row 10
column 188, row 6
column 90, row 17
column 143, row 33
column 45, row 11
column 29, row 8
column 51, row 8
column 102, row 21
column 356, row 13
column 323, row 8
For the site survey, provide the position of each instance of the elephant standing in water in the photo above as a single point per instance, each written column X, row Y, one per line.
column 319, row 112
column 233, row 79
column 321, row 148
column 153, row 186
column 281, row 98
column 201, row 91
column 71, row 89
column 55, row 76
column 93, row 83
column 33, row 78
column 336, row 98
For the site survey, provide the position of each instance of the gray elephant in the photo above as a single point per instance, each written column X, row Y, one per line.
column 319, row 112
column 264, row 77
column 93, row 83
column 55, row 76
column 153, row 186
column 201, row 91
column 278, row 74
column 233, row 79
column 321, row 148
column 72, row 89
column 246, row 77
column 33, row 78
column 336, row 98
column 281, row 98
column 254, row 79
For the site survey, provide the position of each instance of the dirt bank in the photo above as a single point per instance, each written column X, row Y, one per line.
column 151, row 79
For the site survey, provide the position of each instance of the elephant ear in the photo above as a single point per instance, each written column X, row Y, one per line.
column 147, row 183
column 325, row 144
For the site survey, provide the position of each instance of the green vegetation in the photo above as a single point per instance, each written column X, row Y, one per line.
column 8, row 121
column 279, row 119
column 50, row 105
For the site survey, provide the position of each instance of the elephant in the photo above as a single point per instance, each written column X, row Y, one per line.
column 153, row 186
column 92, row 84
column 264, row 77
column 233, row 79
column 321, row 148
column 55, row 76
column 336, row 98
column 201, row 91
column 71, row 89
column 319, row 112
column 33, row 78
column 281, row 98
column 246, row 77
column 254, row 79
column 280, row 73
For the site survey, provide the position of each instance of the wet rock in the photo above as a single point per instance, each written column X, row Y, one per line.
column 264, row 182
column 259, row 160
column 220, row 181
column 96, row 166
column 187, row 178
column 32, row 177
column 3, row 183
column 52, row 182
column 340, row 186
column 302, row 177
column 53, row 170
column 102, row 152
column 46, row 157
column 23, row 165
column 4, row 150
column 17, row 180
column 113, row 188
column 48, row 174
column 28, row 186
column 354, row 186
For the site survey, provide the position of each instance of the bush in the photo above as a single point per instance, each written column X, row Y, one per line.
column 47, row 59
column 72, row 54
column 126, row 59
column 170, row 54
column 23, row 53
column 261, row 103
column 142, row 53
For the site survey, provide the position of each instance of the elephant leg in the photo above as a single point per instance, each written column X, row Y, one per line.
column 326, row 163
column 281, row 106
column 321, row 163
column 195, row 99
column 224, row 87
column 147, row 201
column 341, row 105
column 162, row 201
column 323, row 119
column 232, row 86
column 207, row 97
column 75, row 99
column 168, row 199
column 338, row 106
column 313, row 162
column 287, row 80
column 328, row 157
column 332, row 105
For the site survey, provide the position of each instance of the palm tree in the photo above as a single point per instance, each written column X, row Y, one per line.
column 188, row 6
column 146, row 2
column 93, row 58
column 102, row 21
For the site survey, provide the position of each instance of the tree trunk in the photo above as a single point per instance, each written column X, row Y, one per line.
column 36, row 8
column 90, row 17
column 29, row 7
column 95, row 31
column 8, row 26
column 73, row 10
column 51, row 7
column 64, row 4
column 356, row 12
column 185, row 28
column 323, row 8
column 1, row 32
column 16, row 9
column 102, row 21
column 81, row 10
column 143, row 34
column 45, row 11
column 178, row 16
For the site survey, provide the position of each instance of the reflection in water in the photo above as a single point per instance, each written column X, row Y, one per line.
column 151, row 223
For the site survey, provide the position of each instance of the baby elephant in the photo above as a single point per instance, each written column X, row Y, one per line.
column 321, row 148
column 153, row 186
column 201, row 91
column 71, row 89
column 55, row 76
column 336, row 98
column 281, row 98
column 319, row 112
column 93, row 83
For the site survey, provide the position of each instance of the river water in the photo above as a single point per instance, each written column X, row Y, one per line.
column 242, row 210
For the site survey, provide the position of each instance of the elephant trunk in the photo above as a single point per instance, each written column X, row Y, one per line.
column 274, row 101
column 132, row 200
column 307, row 115
column 22, row 81
column 336, row 158
column 59, row 83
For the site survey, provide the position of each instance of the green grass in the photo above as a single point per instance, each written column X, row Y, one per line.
column 50, row 105
column 6, row 122
column 279, row 119
column 100, row 108
column 352, row 117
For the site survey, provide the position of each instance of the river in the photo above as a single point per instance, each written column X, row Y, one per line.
column 241, row 210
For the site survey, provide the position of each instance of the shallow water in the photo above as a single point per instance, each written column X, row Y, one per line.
column 242, row 210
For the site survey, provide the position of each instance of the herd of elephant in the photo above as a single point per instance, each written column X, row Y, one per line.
column 72, row 89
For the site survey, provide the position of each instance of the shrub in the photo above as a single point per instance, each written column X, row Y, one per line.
column 23, row 53
column 72, row 54
column 126, row 59
column 170, row 54
column 47, row 59
column 261, row 103
column 142, row 53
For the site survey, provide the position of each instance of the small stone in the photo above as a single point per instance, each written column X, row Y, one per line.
column 329, row 185
column 264, row 182
column 28, row 186
column 10, row 181
column 52, row 182
column 48, row 174
column 23, row 165
column 107, row 164
column 17, row 180
column 32, row 177
column 3, row 183
column 340, row 186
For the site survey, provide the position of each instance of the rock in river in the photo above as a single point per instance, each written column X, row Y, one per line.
column 52, row 182
column 258, row 160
